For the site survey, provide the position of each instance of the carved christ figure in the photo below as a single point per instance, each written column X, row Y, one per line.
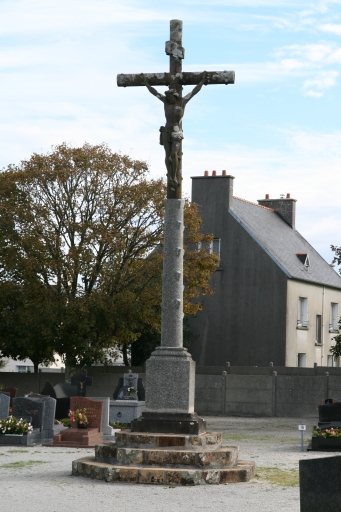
column 171, row 135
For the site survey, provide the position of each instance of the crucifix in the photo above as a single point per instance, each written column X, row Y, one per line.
column 170, row 408
column 171, row 134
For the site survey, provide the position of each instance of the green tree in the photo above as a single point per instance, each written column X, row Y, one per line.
column 336, row 349
column 79, row 269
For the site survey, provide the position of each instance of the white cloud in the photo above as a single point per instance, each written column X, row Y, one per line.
column 332, row 28
column 323, row 81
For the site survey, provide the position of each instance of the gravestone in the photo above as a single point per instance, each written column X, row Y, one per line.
column 126, row 407
column 29, row 409
column 106, row 428
column 92, row 435
column 12, row 393
column 81, row 380
column 48, row 414
column 4, row 405
column 320, row 484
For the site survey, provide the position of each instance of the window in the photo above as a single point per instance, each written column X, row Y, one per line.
column 318, row 329
column 212, row 247
column 334, row 317
column 302, row 318
column 302, row 360
column 25, row 369
column 330, row 361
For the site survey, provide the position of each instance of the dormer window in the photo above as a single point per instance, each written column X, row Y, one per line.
column 304, row 258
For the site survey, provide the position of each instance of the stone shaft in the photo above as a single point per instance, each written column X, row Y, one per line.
column 172, row 276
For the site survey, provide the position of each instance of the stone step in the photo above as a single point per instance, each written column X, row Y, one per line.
column 88, row 467
column 208, row 440
column 222, row 457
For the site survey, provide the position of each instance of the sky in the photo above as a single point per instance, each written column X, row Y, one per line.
column 277, row 129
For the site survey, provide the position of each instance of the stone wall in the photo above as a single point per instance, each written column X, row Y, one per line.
column 229, row 391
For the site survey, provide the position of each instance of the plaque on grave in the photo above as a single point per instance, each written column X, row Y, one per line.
column 27, row 408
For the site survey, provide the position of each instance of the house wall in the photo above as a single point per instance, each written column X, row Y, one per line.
column 244, row 321
column 303, row 341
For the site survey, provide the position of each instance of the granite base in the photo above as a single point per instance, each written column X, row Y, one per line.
column 166, row 423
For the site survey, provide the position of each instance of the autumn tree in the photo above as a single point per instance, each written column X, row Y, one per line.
column 79, row 264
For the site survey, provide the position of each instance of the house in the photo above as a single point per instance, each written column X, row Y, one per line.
column 275, row 298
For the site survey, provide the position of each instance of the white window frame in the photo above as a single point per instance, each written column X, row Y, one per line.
column 330, row 360
column 302, row 313
column 334, row 317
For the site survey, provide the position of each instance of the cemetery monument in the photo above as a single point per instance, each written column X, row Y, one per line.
column 169, row 444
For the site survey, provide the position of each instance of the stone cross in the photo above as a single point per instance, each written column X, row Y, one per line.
column 170, row 371
column 81, row 381
column 171, row 135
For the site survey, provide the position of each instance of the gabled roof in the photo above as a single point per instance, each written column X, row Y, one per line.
column 284, row 244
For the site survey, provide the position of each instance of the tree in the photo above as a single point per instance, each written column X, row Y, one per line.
column 79, row 269
column 336, row 349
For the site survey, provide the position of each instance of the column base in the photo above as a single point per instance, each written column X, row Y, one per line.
column 169, row 423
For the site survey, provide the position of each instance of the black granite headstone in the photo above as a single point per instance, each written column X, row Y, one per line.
column 320, row 484
column 26, row 408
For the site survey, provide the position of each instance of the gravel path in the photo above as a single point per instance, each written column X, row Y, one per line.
column 39, row 478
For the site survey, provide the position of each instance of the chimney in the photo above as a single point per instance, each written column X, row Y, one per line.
column 284, row 206
column 213, row 190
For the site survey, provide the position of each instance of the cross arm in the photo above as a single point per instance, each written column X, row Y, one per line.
column 186, row 78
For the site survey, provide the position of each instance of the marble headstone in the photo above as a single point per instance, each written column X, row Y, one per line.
column 94, row 410
column 29, row 408
column 106, row 428
column 4, row 405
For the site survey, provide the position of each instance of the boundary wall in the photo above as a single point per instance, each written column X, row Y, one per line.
column 220, row 391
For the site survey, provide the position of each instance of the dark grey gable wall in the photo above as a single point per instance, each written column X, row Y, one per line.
column 244, row 321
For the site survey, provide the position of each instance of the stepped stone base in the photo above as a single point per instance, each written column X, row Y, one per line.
column 165, row 459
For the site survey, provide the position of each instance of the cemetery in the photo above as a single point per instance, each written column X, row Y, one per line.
column 230, row 432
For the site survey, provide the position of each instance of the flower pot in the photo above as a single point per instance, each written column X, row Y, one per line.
column 82, row 425
column 326, row 443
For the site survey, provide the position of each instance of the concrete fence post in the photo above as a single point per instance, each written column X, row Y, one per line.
column 223, row 392
column 326, row 385
column 274, row 379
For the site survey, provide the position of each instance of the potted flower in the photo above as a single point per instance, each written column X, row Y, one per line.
column 14, row 426
column 326, row 438
column 78, row 418
column 132, row 392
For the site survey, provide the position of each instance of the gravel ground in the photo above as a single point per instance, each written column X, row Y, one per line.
column 39, row 478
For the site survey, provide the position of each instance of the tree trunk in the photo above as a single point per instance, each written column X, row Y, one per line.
column 125, row 355
column 35, row 366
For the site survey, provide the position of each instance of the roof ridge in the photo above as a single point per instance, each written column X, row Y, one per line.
column 254, row 204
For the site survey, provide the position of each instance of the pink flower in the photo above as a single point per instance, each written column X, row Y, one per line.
column 81, row 423
column 80, row 415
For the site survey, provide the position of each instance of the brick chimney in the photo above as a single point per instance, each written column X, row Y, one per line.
column 284, row 206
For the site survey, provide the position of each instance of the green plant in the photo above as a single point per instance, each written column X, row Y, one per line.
column 327, row 432
column 12, row 425
column 117, row 424
column 65, row 421
column 78, row 416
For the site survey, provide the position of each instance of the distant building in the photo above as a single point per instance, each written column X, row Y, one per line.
column 275, row 298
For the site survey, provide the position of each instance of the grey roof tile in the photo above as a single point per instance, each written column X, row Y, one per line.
column 284, row 243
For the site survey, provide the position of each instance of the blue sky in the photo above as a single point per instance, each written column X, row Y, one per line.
column 277, row 129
